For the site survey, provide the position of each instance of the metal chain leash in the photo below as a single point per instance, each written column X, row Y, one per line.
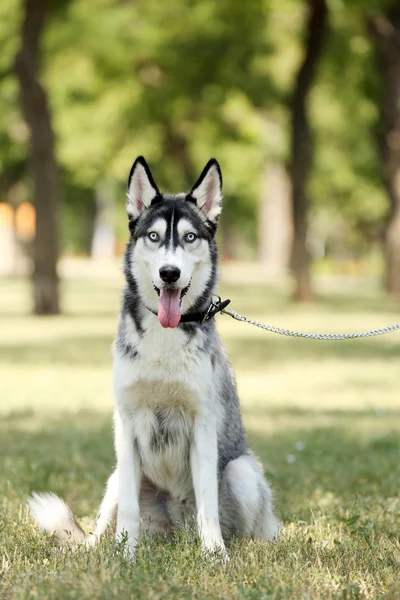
column 312, row 336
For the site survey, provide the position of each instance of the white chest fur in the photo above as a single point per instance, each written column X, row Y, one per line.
column 165, row 387
column 163, row 435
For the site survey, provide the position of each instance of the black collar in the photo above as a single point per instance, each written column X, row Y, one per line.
column 216, row 305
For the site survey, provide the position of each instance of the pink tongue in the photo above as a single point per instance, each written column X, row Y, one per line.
column 169, row 310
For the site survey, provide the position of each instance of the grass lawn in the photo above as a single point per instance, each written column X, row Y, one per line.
column 323, row 416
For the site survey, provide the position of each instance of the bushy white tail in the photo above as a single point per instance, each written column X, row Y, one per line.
column 54, row 516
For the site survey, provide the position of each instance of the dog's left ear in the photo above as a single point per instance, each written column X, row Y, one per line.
column 207, row 192
column 142, row 190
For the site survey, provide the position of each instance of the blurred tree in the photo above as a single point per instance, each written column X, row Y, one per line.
column 302, row 145
column 136, row 82
column 385, row 32
column 36, row 111
column 284, row 31
column 13, row 131
column 348, row 204
column 275, row 214
column 125, row 78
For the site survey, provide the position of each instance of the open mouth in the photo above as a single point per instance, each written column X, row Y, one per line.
column 170, row 304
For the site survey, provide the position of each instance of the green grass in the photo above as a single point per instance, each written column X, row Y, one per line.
column 323, row 416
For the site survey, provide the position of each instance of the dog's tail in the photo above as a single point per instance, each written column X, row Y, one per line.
column 53, row 516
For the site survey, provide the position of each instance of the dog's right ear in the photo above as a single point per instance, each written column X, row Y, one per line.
column 142, row 190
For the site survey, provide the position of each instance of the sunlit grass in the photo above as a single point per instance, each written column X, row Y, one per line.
column 323, row 416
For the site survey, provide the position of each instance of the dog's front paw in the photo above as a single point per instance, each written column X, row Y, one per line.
column 215, row 551
column 221, row 556
column 129, row 552
column 126, row 550
column 91, row 540
column 126, row 545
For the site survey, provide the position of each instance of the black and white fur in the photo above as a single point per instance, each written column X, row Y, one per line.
column 179, row 439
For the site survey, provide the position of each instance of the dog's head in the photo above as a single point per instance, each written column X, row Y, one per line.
column 171, row 256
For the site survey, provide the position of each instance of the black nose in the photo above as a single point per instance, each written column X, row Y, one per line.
column 170, row 274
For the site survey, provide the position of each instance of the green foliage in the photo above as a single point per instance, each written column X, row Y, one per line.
column 13, row 132
column 346, row 176
column 179, row 81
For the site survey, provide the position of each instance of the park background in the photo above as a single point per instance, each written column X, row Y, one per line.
column 299, row 100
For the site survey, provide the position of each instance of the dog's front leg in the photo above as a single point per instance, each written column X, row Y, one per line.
column 204, row 465
column 129, row 472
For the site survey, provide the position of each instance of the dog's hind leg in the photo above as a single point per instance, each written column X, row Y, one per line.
column 108, row 509
column 153, row 509
column 153, row 504
column 245, row 500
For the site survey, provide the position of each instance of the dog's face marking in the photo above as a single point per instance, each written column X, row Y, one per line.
column 172, row 254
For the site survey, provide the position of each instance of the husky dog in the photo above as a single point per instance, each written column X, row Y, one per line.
column 179, row 439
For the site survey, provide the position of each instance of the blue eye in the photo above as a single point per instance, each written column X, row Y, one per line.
column 153, row 236
column 190, row 237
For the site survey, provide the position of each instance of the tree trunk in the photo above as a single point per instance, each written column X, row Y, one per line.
column 385, row 32
column 42, row 160
column 302, row 146
column 275, row 226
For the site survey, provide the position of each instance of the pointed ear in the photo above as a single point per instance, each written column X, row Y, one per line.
column 141, row 188
column 207, row 192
